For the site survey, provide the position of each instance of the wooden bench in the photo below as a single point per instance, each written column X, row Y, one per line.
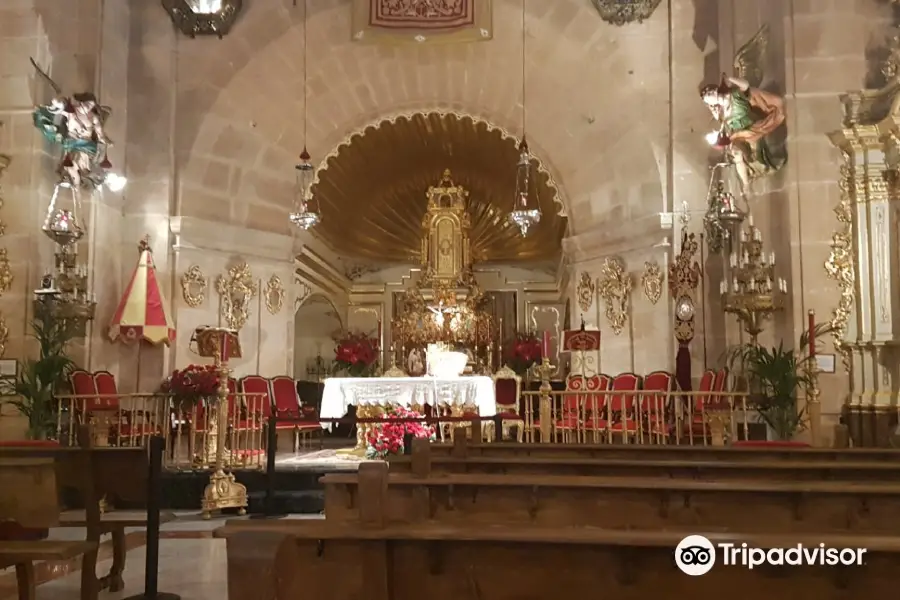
column 33, row 506
column 114, row 523
column 279, row 560
column 119, row 474
column 463, row 448
column 423, row 463
column 630, row 502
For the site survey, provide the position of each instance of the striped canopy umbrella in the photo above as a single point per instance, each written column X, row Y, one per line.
column 142, row 311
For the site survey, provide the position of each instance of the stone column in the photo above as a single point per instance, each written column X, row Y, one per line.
column 864, row 259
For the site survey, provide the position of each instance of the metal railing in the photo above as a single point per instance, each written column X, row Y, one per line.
column 191, row 431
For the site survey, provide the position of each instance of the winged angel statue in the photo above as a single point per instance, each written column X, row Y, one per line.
column 746, row 115
column 76, row 124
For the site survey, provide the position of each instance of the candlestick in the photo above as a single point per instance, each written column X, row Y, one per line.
column 812, row 334
column 545, row 345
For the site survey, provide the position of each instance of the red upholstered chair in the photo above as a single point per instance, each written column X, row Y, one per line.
column 128, row 423
column 108, row 391
column 621, row 408
column 581, row 413
column 655, row 406
column 507, row 391
column 287, row 403
column 695, row 412
column 239, row 419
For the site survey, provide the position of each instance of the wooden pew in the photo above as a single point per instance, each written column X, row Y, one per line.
column 119, row 474
column 638, row 503
column 34, row 505
column 463, row 448
column 282, row 560
column 424, row 463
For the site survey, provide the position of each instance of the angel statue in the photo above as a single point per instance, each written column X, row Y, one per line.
column 746, row 114
column 76, row 124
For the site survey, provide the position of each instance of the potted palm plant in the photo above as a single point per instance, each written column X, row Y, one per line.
column 40, row 378
column 773, row 378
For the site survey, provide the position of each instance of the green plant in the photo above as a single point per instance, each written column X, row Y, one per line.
column 773, row 377
column 39, row 379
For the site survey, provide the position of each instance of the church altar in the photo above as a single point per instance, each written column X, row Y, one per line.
column 340, row 393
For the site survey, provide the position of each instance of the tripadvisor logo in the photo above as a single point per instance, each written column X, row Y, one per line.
column 696, row 555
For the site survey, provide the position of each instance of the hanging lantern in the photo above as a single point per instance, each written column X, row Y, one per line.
column 63, row 222
column 525, row 214
column 304, row 215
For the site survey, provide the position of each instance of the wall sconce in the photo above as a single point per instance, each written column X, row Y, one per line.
column 203, row 17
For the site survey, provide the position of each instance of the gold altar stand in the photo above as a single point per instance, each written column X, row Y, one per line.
column 220, row 344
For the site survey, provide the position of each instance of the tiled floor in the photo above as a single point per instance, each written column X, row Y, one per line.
column 191, row 562
column 193, row 569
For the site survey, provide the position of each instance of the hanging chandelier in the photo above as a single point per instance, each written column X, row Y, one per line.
column 304, row 214
column 524, row 215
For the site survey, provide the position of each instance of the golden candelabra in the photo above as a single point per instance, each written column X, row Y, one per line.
column 750, row 289
column 63, row 295
column 223, row 491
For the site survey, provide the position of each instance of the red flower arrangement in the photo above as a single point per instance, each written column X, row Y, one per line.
column 192, row 383
column 356, row 353
column 388, row 437
column 522, row 352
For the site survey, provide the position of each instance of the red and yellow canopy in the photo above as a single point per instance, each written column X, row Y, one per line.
column 142, row 311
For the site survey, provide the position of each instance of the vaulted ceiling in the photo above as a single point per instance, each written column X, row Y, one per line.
column 372, row 190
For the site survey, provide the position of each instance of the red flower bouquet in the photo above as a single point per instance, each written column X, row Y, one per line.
column 387, row 438
column 192, row 383
column 522, row 352
column 356, row 353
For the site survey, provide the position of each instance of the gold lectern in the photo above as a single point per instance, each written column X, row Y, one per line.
column 220, row 344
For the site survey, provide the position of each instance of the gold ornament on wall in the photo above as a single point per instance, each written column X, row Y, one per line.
column 585, row 291
column 236, row 290
column 274, row 295
column 193, row 286
column 652, row 280
column 623, row 12
column 6, row 277
column 614, row 287
column 684, row 277
column 303, row 292
column 839, row 265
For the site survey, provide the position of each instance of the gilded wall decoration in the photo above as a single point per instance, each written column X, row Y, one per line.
column 6, row 277
column 303, row 292
column 421, row 21
column 614, row 287
column 652, row 281
column 236, row 290
column 193, row 286
column 585, row 291
column 274, row 295
column 623, row 12
column 839, row 265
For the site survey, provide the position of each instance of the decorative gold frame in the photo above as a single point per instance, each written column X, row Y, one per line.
column 614, row 287
column 652, row 281
column 6, row 276
column 623, row 12
column 191, row 24
column 236, row 289
column 585, row 290
column 274, row 295
column 839, row 266
column 193, row 286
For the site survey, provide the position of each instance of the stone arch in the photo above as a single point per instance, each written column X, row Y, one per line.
column 587, row 82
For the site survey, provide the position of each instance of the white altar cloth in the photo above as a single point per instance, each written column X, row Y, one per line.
column 341, row 392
